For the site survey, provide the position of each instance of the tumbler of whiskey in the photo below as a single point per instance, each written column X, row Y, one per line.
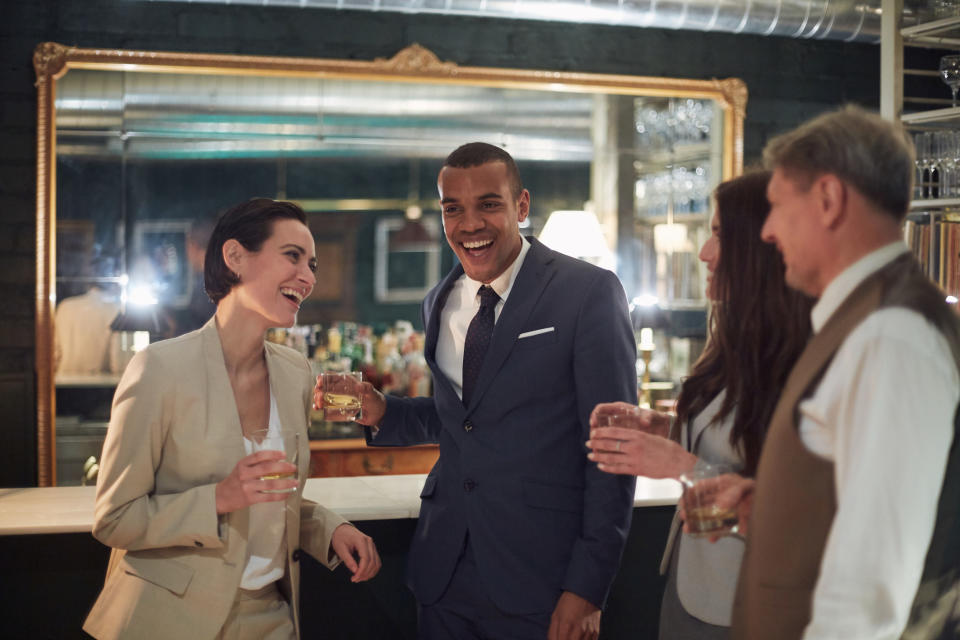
column 341, row 395
column 701, row 486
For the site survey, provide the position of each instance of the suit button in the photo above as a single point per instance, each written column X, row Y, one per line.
column 467, row 426
column 198, row 543
column 295, row 556
column 469, row 485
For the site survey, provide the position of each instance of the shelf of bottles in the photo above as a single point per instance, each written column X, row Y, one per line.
column 391, row 358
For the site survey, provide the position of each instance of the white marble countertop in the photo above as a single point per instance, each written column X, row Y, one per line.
column 70, row 509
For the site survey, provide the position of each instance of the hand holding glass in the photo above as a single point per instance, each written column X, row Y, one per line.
column 633, row 417
column 701, row 487
column 283, row 440
column 342, row 395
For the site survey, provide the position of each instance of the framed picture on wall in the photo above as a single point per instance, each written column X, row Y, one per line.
column 407, row 259
column 159, row 264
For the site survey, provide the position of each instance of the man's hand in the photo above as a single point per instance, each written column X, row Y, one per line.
column 574, row 619
column 372, row 403
column 348, row 541
column 733, row 492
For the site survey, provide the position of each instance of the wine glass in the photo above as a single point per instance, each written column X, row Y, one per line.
column 950, row 72
column 922, row 142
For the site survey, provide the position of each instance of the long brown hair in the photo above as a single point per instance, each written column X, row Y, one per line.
column 757, row 328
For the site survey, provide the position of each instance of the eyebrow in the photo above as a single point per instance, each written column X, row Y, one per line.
column 291, row 245
column 485, row 196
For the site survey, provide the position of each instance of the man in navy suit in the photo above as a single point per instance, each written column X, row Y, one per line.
column 519, row 535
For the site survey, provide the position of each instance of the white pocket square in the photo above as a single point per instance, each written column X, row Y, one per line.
column 535, row 332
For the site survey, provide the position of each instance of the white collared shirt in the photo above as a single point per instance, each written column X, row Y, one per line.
column 266, row 542
column 883, row 414
column 461, row 305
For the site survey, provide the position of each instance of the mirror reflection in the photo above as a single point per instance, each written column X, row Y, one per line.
column 146, row 160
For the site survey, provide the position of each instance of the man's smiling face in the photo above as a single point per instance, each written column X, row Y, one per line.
column 481, row 217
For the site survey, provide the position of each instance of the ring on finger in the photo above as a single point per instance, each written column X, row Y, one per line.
column 617, row 448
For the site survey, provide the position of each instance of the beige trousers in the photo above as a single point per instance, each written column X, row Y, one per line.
column 259, row 615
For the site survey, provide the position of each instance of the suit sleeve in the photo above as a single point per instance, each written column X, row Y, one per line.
column 407, row 422
column 317, row 524
column 128, row 513
column 604, row 370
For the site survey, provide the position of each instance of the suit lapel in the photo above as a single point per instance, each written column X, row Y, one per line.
column 223, row 421
column 223, row 426
column 432, row 311
column 529, row 285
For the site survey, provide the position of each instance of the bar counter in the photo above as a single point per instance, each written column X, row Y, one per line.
column 53, row 568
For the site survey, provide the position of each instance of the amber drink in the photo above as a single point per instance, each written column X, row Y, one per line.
column 341, row 396
column 701, row 486
column 282, row 440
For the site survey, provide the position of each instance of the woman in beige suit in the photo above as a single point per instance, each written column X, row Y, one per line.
column 199, row 549
column 758, row 327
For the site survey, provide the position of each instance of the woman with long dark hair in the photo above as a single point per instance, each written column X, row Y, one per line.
column 757, row 328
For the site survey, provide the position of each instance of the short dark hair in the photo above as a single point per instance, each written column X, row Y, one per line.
column 474, row 154
column 249, row 223
column 859, row 147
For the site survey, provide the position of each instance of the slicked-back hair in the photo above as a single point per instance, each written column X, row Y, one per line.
column 859, row 147
column 249, row 223
column 474, row 154
column 758, row 325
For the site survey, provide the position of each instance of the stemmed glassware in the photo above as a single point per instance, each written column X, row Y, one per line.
column 950, row 72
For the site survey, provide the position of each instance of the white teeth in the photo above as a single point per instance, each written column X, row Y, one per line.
column 477, row 244
column 292, row 292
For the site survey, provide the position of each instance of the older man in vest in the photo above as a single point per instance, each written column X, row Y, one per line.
column 854, row 525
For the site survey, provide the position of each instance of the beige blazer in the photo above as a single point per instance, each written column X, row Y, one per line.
column 174, row 433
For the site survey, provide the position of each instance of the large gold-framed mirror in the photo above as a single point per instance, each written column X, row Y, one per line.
column 638, row 152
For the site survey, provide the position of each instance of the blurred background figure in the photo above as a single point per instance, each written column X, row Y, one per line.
column 199, row 308
column 82, row 335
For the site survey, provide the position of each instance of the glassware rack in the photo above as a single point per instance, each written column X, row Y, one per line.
column 932, row 229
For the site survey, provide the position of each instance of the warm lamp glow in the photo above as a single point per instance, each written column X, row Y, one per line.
column 670, row 238
column 577, row 234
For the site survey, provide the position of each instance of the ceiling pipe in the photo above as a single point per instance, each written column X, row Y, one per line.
column 847, row 20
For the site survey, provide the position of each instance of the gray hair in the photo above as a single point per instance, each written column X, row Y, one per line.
column 859, row 147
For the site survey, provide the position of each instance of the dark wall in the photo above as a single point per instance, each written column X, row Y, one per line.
column 789, row 80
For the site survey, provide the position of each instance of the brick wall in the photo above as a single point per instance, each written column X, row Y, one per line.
column 789, row 81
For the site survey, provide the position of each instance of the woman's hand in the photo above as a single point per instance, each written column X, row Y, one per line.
column 630, row 451
column 244, row 486
column 372, row 403
column 357, row 551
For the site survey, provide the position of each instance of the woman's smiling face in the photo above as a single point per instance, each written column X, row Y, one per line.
column 276, row 280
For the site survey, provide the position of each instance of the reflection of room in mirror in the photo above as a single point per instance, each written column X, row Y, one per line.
column 357, row 142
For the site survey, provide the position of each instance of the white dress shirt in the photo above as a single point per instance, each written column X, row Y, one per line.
column 883, row 414
column 461, row 305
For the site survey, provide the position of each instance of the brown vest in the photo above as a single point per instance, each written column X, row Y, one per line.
column 794, row 503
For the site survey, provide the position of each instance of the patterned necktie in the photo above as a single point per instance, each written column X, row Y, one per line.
column 477, row 341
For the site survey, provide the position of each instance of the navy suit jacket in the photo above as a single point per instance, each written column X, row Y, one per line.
column 513, row 470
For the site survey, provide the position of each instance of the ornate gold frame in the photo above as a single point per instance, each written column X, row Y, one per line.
column 413, row 64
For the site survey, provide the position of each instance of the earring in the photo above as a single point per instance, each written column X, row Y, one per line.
column 236, row 274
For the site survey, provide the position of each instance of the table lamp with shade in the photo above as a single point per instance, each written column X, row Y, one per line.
column 578, row 234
